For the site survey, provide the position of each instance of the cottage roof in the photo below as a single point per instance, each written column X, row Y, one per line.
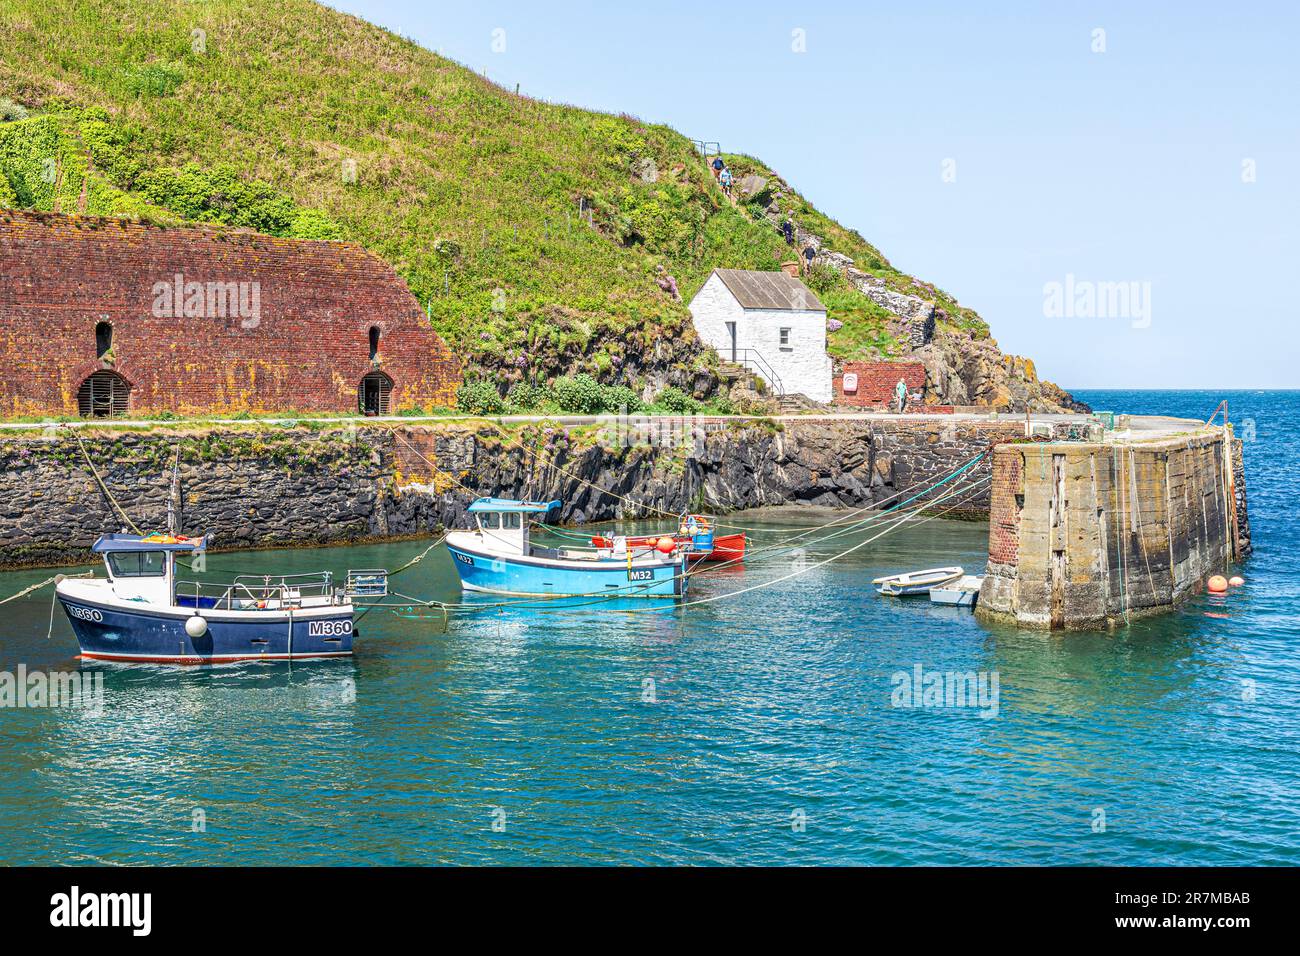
column 769, row 290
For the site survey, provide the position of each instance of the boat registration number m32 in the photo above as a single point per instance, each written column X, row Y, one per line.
column 85, row 613
column 464, row 558
column 641, row 574
column 328, row 628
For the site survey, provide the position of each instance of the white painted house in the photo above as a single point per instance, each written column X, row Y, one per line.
column 771, row 323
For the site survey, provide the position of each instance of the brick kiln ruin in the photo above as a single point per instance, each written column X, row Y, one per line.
column 107, row 317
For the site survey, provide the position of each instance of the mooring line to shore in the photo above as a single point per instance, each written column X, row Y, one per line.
column 896, row 523
column 898, row 519
column 125, row 517
column 896, row 510
column 36, row 587
column 550, row 463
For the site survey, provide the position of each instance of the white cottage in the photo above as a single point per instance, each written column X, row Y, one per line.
column 771, row 323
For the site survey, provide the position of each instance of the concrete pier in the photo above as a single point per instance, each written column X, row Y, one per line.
column 1092, row 534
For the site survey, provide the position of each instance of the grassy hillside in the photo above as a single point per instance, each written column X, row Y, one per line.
column 539, row 237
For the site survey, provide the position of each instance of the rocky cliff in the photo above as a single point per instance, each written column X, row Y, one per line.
column 964, row 366
column 262, row 487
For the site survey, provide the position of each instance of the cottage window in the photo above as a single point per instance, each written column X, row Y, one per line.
column 785, row 339
column 374, row 342
column 103, row 395
column 372, row 396
column 103, row 339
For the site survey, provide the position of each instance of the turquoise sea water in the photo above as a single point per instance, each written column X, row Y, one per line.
column 756, row 731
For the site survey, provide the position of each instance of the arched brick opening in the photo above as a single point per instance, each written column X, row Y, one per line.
column 103, row 394
column 373, row 394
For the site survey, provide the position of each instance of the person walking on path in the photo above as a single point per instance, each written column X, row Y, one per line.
column 717, row 166
column 900, row 395
column 787, row 230
column 725, row 179
column 809, row 253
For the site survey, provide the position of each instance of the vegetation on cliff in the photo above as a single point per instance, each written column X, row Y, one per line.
column 544, row 240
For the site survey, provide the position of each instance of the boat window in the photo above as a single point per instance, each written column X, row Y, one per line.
column 490, row 520
column 510, row 519
column 137, row 564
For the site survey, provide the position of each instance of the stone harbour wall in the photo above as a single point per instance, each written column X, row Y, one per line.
column 1089, row 535
column 265, row 486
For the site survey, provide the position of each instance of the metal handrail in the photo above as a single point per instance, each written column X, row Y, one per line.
column 753, row 359
column 285, row 589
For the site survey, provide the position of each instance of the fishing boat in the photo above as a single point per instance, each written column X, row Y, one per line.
column 916, row 582
column 696, row 533
column 963, row 592
column 140, row 612
column 498, row 556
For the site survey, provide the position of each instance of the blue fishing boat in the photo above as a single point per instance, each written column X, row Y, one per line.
column 498, row 556
column 141, row 612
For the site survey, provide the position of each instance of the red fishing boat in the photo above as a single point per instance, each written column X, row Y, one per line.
column 696, row 531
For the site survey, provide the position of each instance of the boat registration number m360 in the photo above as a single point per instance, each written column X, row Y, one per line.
column 641, row 574
column 328, row 628
column 85, row 613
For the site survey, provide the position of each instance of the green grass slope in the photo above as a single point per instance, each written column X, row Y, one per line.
column 538, row 236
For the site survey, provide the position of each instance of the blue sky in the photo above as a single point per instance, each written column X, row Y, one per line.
column 1170, row 160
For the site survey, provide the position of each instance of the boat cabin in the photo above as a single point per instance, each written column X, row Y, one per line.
column 502, row 523
column 143, row 567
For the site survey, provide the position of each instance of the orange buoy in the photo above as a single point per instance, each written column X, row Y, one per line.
column 1236, row 580
column 1217, row 584
column 666, row 544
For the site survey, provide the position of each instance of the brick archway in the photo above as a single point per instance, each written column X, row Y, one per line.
column 374, row 394
column 104, row 394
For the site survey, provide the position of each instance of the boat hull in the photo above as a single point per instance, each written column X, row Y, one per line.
column 953, row 597
column 728, row 547
column 542, row 577
column 107, row 632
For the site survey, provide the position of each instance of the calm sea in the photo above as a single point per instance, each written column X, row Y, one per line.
column 755, row 731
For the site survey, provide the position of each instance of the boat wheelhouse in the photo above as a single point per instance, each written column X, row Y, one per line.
column 498, row 556
column 142, row 613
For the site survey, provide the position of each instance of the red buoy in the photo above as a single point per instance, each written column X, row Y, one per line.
column 666, row 545
column 1217, row 584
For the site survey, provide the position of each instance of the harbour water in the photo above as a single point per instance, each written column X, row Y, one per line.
column 764, row 730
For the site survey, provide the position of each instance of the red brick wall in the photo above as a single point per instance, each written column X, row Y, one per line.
column 1004, row 508
column 308, row 350
column 876, row 381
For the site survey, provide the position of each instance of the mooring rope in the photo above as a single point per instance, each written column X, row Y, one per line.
column 800, row 571
column 36, row 587
column 898, row 520
column 674, row 605
column 125, row 517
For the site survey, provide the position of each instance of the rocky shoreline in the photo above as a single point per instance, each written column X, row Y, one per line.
column 256, row 486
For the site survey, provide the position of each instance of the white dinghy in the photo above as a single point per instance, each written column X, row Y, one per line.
column 963, row 592
column 916, row 582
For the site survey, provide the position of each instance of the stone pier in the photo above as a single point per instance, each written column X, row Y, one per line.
column 1090, row 534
